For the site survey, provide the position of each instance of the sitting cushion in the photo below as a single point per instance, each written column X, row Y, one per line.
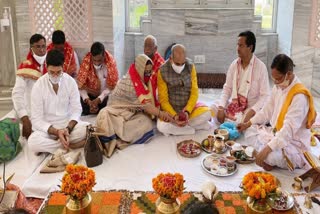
column 211, row 80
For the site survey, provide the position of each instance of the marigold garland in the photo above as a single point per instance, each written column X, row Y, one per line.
column 259, row 185
column 168, row 185
column 77, row 181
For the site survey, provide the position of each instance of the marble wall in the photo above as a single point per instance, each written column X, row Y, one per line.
column 210, row 32
column 7, row 67
column 119, row 26
column 285, row 25
column 304, row 56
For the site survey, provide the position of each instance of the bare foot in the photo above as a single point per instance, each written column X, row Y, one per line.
column 267, row 167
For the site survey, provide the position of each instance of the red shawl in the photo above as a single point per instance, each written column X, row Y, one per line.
column 69, row 65
column 144, row 93
column 88, row 80
column 30, row 68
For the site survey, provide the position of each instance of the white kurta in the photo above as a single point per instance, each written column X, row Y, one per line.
column 21, row 96
column 294, row 137
column 49, row 108
column 259, row 88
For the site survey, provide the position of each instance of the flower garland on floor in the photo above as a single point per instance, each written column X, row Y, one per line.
column 168, row 185
column 77, row 181
column 259, row 185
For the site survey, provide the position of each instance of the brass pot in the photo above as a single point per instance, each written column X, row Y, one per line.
column 219, row 143
column 258, row 206
column 79, row 206
column 167, row 206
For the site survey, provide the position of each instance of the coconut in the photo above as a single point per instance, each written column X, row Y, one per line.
column 249, row 151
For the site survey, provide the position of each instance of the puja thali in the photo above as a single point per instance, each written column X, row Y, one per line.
column 219, row 165
column 189, row 148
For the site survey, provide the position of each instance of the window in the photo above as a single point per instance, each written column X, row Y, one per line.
column 267, row 10
column 135, row 10
column 72, row 16
column 315, row 24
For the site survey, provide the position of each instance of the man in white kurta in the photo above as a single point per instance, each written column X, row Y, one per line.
column 27, row 74
column 293, row 138
column 56, row 109
column 247, row 84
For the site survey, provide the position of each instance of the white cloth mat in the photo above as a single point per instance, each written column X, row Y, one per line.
column 134, row 167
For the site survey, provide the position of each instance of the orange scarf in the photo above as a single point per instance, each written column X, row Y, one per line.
column 297, row 89
column 87, row 78
column 30, row 68
column 69, row 65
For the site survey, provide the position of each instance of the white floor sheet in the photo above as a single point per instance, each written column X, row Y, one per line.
column 134, row 167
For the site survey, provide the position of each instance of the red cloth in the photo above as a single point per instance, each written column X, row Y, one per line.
column 30, row 68
column 69, row 65
column 157, row 62
column 145, row 93
column 88, row 79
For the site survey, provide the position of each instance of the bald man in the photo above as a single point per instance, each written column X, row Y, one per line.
column 150, row 49
column 178, row 95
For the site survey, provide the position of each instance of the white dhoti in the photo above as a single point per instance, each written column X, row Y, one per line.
column 43, row 142
column 200, row 122
column 260, row 136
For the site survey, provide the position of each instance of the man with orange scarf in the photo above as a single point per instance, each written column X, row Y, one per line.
column 27, row 74
column 71, row 62
column 98, row 75
column 290, row 112
column 150, row 49
column 132, row 106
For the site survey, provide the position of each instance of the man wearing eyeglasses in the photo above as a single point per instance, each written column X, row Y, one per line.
column 27, row 74
column 56, row 109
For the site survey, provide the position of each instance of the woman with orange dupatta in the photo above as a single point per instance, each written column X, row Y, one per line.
column 132, row 106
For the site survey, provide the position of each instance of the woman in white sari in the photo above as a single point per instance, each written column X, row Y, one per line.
column 132, row 106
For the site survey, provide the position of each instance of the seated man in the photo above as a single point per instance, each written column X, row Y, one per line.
column 71, row 61
column 131, row 107
column 56, row 109
column 150, row 49
column 28, row 73
column 247, row 84
column 290, row 112
column 178, row 95
column 98, row 75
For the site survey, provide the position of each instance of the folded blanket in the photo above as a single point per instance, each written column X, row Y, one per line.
column 59, row 161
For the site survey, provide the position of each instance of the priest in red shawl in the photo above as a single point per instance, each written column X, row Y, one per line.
column 27, row 74
column 71, row 62
column 132, row 106
column 97, row 77
column 150, row 49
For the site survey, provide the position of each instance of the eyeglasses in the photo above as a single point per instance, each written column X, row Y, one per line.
column 39, row 47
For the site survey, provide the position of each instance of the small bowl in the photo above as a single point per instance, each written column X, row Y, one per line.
column 224, row 133
column 230, row 143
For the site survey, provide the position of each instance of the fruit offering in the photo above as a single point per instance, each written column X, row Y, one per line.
column 182, row 116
